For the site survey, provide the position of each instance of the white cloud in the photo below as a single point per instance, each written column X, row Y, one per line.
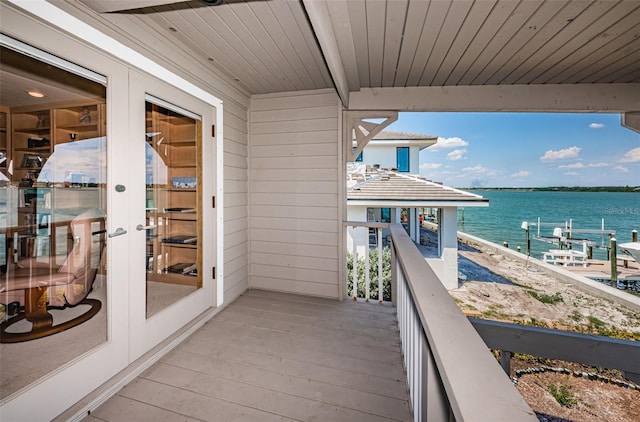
column 521, row 173
column 448, row 143
column 430, row 166
column 632, row 156
column 475, row 169
column 596, row 125
column 598, row 165
column 577, row 165
column 457, row 154
column 562, row 154
column 621, row 169
column 571, row 173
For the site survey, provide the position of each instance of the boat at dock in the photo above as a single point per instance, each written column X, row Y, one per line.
column 632, row 248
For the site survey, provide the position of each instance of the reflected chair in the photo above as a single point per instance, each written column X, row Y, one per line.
column 40, row 286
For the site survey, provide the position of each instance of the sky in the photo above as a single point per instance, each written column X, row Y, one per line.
column 526, row 149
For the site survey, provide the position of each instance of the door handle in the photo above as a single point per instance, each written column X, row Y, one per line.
column 140, row 227
column 119, row 232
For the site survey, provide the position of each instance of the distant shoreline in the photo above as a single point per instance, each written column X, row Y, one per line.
column 632, row 189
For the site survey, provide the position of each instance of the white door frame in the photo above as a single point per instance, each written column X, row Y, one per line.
column 58, row 390
column 145, row 332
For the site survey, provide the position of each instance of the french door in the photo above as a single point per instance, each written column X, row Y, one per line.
column 65, row 332
column 172, row 164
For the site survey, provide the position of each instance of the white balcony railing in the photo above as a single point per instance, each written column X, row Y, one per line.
column 592, row 350
column 365, row 237
column 451, row 373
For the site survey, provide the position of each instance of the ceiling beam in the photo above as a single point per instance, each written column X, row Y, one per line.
column 323, row 29
column 614, row 98
column 631, row 121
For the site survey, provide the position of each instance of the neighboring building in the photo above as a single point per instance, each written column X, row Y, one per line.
column 388, row 150
column 383, row 185
column 393, row 197
column 396, row 150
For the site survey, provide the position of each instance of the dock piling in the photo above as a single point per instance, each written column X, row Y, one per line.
column 614, row 261
column 634, row 235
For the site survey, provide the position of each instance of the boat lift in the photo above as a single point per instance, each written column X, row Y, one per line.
column 563, row 234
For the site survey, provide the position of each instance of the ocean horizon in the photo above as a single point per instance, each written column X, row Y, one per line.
column 502, row 220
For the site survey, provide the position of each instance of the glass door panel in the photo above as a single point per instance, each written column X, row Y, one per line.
column 53, row 273
column 172, row 198
column 169, row 243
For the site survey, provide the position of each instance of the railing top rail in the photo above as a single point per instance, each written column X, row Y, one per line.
column 569, row 346
column 476, row 386
column 371, row 224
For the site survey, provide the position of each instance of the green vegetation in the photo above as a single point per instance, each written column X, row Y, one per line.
column 494, row 313
column 601, row 328
column 576, row 316
column 596, row 323
column 373, row 274
column 594, row 326
column 563, row 395
column 545, row 298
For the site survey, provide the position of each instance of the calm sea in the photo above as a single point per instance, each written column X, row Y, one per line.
column 502, row 220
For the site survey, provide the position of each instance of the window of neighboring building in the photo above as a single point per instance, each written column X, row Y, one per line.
column 385, row 215
column 359, row 157
column 402, row 155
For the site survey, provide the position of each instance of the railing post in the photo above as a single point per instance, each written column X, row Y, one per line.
column 367, row 270
column 394, row 275
column 505, row 361
column 354, row 291
column 380, row 278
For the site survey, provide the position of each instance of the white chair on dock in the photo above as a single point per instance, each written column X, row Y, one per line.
column 565, row 257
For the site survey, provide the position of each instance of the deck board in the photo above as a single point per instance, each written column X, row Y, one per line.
column 274, row 356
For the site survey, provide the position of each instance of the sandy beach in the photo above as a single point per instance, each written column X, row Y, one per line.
column 495, row 286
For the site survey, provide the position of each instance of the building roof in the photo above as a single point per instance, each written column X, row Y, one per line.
column 390, row 137
column 389, row 188
column 402, row 136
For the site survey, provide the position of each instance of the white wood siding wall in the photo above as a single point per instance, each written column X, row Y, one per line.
column 235, row 106
column 236, row 191
column 294, row 192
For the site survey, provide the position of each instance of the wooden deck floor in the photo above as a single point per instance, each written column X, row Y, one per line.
column 272, row 356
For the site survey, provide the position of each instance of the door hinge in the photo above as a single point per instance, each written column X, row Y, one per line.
column 213, row 270
column 213, row 201
column 213, row 130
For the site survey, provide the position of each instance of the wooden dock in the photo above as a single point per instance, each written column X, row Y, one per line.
column 601, row 269
column 274, row 356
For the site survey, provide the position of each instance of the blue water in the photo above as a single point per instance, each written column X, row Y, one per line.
column 502, row 220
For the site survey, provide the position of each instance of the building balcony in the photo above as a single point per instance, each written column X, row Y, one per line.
column 279, row 356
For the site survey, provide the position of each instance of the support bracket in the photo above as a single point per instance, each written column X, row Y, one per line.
column 357, row 127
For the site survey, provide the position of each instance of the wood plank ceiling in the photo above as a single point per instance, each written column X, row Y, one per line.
column 270, row 46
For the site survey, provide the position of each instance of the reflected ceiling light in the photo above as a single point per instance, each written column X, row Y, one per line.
column 36, row 94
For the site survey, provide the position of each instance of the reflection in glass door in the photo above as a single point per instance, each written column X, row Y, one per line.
column 53, row 288
column 172, row 248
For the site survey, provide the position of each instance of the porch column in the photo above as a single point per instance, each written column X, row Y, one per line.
column 413, row 224
column 448, row 230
